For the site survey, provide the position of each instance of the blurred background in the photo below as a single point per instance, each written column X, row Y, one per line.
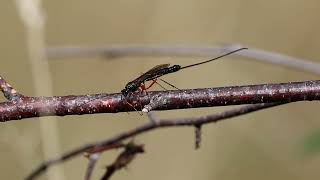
column 269, row 144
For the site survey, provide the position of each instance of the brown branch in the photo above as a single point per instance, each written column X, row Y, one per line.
column 197, row 133
column 101, row 149
column 124, row 158
column 93, row 155
column 28, row 107
column 153, row 124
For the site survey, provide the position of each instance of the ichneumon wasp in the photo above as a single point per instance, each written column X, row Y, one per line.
column 160, row 70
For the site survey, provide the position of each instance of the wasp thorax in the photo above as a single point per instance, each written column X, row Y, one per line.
column 130, row 87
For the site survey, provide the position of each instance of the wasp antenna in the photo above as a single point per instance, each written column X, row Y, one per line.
column 240, row 49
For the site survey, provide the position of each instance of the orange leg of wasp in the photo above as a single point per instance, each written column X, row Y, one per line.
column 153, row 82
column 143, row 87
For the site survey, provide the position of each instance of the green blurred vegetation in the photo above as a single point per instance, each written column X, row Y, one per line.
column 312, row 143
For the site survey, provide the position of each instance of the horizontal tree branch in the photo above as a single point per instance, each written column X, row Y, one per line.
column 27, row 107
column 183, row 50
column 153, row 124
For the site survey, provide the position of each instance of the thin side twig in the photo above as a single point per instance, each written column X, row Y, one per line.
column 197, row 133
column 124, row 158
column 93, row 158
column 153, row 124
column 94, row 154
column 28, row 107
column 8, row 91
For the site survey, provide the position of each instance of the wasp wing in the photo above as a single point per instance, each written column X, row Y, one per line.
column 152, row 72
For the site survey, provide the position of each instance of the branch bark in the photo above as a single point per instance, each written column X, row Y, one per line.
column 28, row 107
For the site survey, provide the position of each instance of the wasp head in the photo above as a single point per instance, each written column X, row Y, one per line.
column 175, row 68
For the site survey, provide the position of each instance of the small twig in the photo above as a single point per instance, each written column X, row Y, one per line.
column 197, row 133
column 94, row 154
column 8, row 91
column 124, row 158
column 180, row 50
column 150, row 126
column 93, row 158
column 155, row 102
column 28, row 107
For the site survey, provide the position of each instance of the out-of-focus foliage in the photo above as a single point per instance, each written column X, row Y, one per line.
column 312, row 143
